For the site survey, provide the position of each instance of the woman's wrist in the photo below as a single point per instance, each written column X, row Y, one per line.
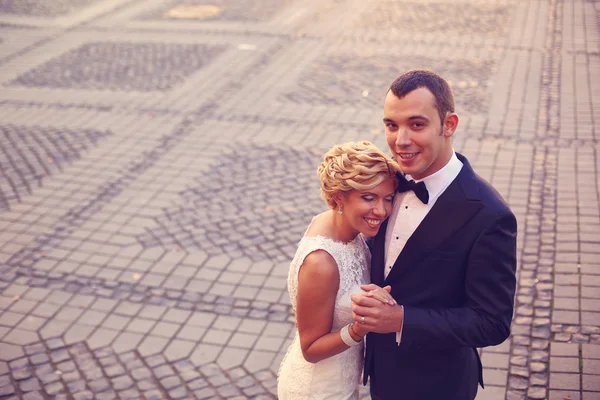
column 355, row 335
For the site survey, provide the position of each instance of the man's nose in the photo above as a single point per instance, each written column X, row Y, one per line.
column 403, row 137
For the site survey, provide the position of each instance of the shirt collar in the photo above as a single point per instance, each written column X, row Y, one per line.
column 437, row 182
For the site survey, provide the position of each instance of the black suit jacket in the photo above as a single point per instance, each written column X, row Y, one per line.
column 455, row 278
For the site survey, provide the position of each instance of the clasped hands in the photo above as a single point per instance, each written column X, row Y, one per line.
column 375, row 310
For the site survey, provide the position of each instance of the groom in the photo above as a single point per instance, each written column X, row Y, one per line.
column 448, row 251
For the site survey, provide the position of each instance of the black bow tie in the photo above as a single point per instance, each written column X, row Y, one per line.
column 419, row 188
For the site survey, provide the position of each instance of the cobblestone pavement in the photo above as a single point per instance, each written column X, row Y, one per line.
column 157, row 168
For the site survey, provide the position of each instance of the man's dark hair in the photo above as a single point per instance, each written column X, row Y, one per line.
column 411, row 80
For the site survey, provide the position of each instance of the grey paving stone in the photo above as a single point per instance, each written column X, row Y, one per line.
column 7, row 390
column 165, row 329
column 591, row 351
column 83, row 395
column 33, row 396
column 10, row 352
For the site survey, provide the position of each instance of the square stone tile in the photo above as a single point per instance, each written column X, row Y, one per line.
column 252, row 326
column 190, row 332
column 81, row 301
column 106, row 305
column 215, row 336
column 165, row 329
column 563, row 394
column 185, row 271
column 269, row 343
column 226, row 323
column 231, row 357
column 37, row 293
column 590, row 304
column 200, row 318
column 45, row 310
column 566, row 291
column 590, row 396
column 494, row 360
column 591, row 383
column 21, row 337
column 198, row 285
column 222, row 289
column 243, row 340
column 590, row 318
column 116, row 322
column 22, row 306
column 31, row 323
column 591, row 351
column 592, row 292
column 564, row 349
column 591, row 366
column 177, row 316
column 128, row 308
column 564, row 364
column 92, row 317
column 140, row 325
column 560, row 380
column 566, row 303
column 152, row 312
column 10, row 319
column 244, row 292
column 565, row 317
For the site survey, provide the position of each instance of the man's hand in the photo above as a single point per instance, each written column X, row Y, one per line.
column 378, row 293
column 372, row 315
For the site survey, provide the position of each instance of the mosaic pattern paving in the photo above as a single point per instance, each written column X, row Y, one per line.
column 30, row 154
column 250, row 206
column 142, row 66
column 42, row 8
column 161, row 271
column 363, row 81
column 220, row 10
column 75, row 371
column 480, row 18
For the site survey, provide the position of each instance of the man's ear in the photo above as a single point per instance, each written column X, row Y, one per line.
column 450, row 124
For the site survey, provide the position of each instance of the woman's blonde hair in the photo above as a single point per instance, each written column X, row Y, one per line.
column 353, row 166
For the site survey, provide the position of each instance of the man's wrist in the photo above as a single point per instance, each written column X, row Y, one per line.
column 401, row 317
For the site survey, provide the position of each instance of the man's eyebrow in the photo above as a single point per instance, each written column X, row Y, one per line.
column 418, row 117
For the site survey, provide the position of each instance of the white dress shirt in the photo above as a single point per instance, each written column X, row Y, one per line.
column 409, row 212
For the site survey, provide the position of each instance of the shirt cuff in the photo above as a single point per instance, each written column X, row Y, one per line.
column 399, row 334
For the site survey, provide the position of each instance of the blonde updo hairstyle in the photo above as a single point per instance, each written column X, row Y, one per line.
column 353, row 166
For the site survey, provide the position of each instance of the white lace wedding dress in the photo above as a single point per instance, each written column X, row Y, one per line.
column 337, row 377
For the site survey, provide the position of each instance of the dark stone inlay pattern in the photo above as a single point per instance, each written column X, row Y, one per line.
column 51, row 368
column 141, row 67
column 464, row 19
column 226, row 10
column 42, row 8
column 575, row 333
column 360, row 81
column 256, row 203
column 138, row 293
column 532, row 330
column 30, row 154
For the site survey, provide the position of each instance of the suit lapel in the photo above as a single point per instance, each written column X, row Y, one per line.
column 454, row 208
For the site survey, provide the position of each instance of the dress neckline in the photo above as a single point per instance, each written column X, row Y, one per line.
column 352, row 242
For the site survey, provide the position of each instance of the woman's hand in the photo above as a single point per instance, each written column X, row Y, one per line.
column 378, row 293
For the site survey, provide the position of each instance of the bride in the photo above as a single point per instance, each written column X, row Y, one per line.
column 332, row 261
